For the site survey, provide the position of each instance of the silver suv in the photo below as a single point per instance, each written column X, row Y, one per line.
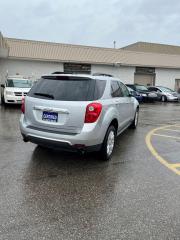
column 78, row 112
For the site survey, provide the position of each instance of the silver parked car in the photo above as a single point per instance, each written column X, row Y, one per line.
column 78, row 112
column 165, row 94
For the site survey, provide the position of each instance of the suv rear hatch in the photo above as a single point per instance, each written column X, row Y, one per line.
column 58, row 103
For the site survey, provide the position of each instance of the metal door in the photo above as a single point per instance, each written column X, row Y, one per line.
column 144, row 79
column 177, row 85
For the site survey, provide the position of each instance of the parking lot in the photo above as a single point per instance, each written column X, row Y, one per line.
column 46, row 194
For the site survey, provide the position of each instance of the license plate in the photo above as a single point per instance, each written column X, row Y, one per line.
column 50, row 116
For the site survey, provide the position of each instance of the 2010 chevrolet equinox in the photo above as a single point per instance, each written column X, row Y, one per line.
column 78, row 112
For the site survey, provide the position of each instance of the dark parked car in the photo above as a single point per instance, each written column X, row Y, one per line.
column 165, row 94
column 135, row 94
column 147, row 95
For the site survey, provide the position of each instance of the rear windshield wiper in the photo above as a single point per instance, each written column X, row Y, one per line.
column 44, row 95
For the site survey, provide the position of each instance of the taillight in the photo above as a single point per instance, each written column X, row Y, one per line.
column 93, row 110
column 23, row 105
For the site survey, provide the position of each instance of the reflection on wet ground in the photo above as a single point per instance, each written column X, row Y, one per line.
column 51, row 194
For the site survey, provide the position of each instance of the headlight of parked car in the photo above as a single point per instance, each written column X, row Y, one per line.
column 144, row 95
column 9, row 93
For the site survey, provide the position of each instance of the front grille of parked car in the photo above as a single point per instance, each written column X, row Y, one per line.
column 18, row 93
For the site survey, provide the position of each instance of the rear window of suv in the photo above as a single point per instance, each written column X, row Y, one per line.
column 65, row 88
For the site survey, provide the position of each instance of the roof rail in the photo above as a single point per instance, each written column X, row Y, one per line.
column 102, row 74
column 57, row 72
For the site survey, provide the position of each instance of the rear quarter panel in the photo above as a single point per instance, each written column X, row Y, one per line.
column 109, row 113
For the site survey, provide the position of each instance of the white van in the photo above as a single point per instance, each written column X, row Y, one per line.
column 14, row 89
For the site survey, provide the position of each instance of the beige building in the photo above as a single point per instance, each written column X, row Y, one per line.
column 143, row 63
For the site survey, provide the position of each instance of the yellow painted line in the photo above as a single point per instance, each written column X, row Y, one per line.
column 176, row 126
column 166, row 136
column 175, row 165
column 156, row 154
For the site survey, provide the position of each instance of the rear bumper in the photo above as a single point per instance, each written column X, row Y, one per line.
column 90, row 138
column 61, row 145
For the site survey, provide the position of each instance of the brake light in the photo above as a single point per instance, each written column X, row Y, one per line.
column 23, row 105
column 93, row 110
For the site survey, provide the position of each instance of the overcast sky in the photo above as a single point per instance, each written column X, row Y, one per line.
column 92, row 22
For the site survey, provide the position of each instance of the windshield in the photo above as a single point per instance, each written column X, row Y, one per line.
column 143, row 88
column 68, row 88
column 130, row 89
column 164, row 89
column 19, row 83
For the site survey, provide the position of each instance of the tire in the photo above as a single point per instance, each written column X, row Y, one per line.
column 2, row 100
column 42, row 146
column 135, row 121
column 164, row 98
column 108, row 143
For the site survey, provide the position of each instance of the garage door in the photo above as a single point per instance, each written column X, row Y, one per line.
column 144, row 79
column 177, row 85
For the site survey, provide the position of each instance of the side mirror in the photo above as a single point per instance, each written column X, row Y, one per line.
column 2, row 85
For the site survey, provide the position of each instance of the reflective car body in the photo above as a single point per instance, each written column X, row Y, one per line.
column 76, row 111
column 165, row 94
column 136, row 94
column 147, row 96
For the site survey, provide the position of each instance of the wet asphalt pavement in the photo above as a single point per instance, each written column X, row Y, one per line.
column 46, row 194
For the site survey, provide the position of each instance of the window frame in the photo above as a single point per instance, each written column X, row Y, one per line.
column 121, row 94
column 128, row 93
column 120, row 84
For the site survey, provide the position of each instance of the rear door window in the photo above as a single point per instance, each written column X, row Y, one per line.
column 116, row 90
column 66, row 88
column 152, row 89
column 124, row 90
column 156, row 90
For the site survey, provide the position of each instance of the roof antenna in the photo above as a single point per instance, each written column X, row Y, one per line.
column 114, row 42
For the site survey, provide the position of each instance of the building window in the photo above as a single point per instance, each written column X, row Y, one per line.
column 77, row 68
column 145, row 70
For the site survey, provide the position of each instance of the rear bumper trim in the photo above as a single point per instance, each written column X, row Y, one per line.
column 31, row 136
column 49, row 131
column 59, row 144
